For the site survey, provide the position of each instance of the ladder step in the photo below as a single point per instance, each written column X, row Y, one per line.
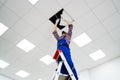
column 62, row 77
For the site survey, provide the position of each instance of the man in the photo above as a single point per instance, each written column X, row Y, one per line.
column 63, row 44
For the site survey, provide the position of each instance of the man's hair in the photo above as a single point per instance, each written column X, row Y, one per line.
column 63, row 32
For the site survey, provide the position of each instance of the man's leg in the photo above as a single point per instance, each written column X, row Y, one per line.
column 63, row 68
column 69, row 60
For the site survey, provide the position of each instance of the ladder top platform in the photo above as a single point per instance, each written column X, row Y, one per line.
column 56, row 55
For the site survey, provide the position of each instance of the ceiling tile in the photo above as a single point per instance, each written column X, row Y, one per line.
column 112, row 22
column 77, row 29
column 97, row 31
column 20, row 7
column 5, row 46
column 3, row 1
column 34, row 17
column 94, row 3
column 14, row 52
column 115, row 33
column 42, row 34
column 46, row 29
column 88, row 20
column 77, row 8
column 12, row 36
column 48, row 46
column 23, row 28
column 0, row 4
column 35, row 37
column 117, row 5
column 104, row 10
column 64, row 3
column 111, row 48
column 51, row 8
column 103, row 41
column 8, row 17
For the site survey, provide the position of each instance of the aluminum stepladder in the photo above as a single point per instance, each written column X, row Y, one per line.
column 57, row 74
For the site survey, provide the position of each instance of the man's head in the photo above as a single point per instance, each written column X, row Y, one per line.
column 64, row 33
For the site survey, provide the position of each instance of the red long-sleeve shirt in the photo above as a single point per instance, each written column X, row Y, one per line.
column 67, row 36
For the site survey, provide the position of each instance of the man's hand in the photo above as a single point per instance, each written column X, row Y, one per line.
column 55, row 27
column 67, row 21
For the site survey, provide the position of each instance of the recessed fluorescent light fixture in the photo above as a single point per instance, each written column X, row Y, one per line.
column 3, row 28
column 22, row 74
column 39, row 79
column 33, row 1
column 82, row 40
column 47, row 59
column 25, row 45
column 97, row 55
column 3, row 64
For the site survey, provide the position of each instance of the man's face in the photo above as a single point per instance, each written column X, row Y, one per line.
column 64, row 34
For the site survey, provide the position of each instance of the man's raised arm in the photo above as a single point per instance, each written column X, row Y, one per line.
column 55, row 33
column 70, row 27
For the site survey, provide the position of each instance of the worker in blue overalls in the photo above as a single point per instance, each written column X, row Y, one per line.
column 63, row 44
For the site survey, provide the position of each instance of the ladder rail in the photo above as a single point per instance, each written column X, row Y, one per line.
column 67, row 66
column 63, row 61
column 57, row 73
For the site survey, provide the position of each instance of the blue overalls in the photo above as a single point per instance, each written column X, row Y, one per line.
column 62, row 45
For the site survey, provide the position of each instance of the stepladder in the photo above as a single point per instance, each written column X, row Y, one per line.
column 57, row 74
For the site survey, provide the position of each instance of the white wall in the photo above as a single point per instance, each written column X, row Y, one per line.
column 4, row 78
column 84, row 75
column 107, row 71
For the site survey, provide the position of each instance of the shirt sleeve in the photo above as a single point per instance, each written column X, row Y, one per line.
column 70, row 28
column 57, row 37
